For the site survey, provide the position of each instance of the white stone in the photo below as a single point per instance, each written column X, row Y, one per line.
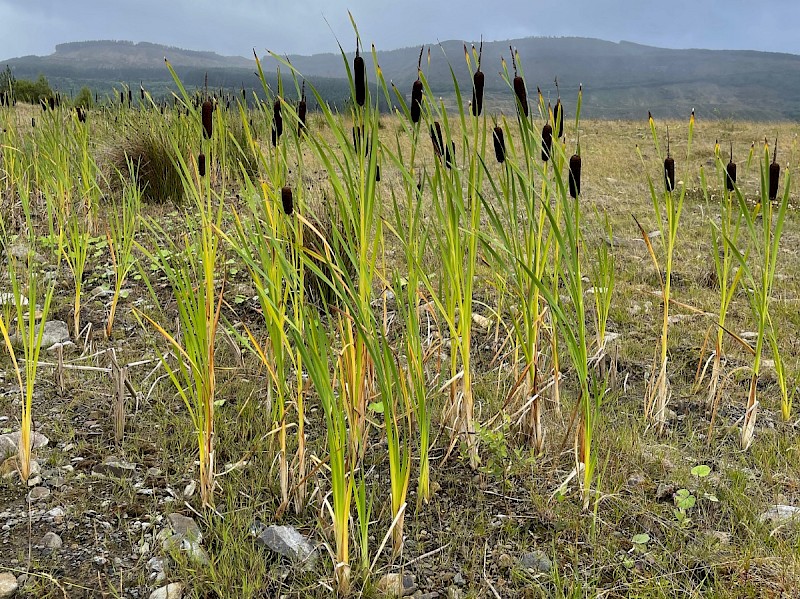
column 174, row 590
column 8, row 585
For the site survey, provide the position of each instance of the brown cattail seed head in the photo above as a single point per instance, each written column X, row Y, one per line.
column 287, row 200
column 360, row 79
column 499, row 145
column 437, row 139
column 774, row 177
column 547, row 142
column 730, row 178
column 416, row 101
column 521, row 93
column 207, row 115
column 669, row 173
column 477, row 93
column 558, row 119
column 575, row 176
column 301, row 114
column 277, row 119
column 201, row 164
column 450, row 155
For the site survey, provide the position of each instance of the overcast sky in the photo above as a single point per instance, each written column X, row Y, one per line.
column 300, row 27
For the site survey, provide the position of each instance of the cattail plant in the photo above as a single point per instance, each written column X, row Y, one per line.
column 658, row 391
column 123, row 225
column 478, row 81
column 724, row 237
column 759, row 265
column 76, row 253
column 519, row 86
column 207, row 117
column 25, row 295
column 201, row 164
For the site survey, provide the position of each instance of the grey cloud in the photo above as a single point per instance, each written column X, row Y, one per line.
column 306, row 27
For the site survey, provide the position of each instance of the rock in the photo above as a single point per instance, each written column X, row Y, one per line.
column 173, row 590
column 538, row 561
column 665, row 491
column 51, row 540
column 781, row 514
column 188, row 492
column 397, row 585
column 38, row 494
column 636, row 480
column 111, row 466
column 459, row 579
column 57, row 514
column 7, row 299
column 8, row 585
column 55, row 332
column 481, row 321
column 288, row 542
column 9, row 443
column 156, row 566
column 185, row 526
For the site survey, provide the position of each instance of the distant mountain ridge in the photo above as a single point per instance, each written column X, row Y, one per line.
column 620, row 80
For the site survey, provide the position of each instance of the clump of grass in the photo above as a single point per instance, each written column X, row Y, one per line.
column 144, row 152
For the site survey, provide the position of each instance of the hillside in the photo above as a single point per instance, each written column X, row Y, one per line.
column 620, row 80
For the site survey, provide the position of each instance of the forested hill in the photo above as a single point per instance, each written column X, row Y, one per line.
column 620, row 80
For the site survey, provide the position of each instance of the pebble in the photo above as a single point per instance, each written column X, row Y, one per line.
column 781, row 514
column 397, row 585
column 38, row 494
column 538, row 561
column 8, row 585
column 111, row 466
column 51, row 541
column 173, row 590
